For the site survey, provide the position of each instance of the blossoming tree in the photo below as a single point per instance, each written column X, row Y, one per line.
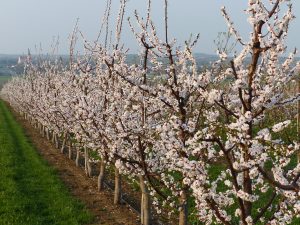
column 259, row 173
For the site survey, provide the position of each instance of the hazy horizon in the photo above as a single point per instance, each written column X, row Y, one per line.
column 26, row 24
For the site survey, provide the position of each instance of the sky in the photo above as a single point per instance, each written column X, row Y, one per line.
column 28, row 23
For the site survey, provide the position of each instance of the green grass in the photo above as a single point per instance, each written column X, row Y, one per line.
column 30, row 191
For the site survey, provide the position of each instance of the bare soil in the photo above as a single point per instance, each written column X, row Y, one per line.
column 99, row 203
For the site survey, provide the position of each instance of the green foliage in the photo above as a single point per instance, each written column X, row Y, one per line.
column 94, row 155
column 30, row 191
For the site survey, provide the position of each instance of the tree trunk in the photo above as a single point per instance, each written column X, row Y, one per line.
column 56, row 141
column 43, row 131
column 87, row 164
column 101, row 175
column 77, row 157
column 117, row 193
column 48, row 134
column 248, row 189
column 70, row 149
column 183, row 213
column 247, row 185
column 63, row 143
column 145, row 203
column 53, row 137
column 86, row 158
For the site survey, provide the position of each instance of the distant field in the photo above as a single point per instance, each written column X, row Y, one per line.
column 4, row 79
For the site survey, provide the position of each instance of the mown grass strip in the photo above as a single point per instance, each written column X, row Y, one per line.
column 30, row 191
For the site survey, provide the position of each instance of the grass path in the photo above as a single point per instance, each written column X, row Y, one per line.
column 30, row 191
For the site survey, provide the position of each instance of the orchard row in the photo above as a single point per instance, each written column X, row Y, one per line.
column 188, row 135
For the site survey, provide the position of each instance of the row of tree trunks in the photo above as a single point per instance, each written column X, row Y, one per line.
column 67, row 142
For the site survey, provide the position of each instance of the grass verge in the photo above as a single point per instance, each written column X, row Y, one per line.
column 30, row 191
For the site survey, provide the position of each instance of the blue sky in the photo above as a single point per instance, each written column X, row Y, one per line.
column 27, row 23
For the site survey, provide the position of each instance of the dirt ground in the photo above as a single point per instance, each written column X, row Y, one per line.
column 82, row 187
